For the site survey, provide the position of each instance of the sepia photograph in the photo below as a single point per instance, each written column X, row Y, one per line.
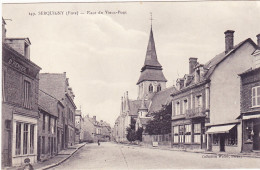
column 130, row 85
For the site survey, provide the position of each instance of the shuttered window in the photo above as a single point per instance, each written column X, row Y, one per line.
column 27, row 91
column 256, row 96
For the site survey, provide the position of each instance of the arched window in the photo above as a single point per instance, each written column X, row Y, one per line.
column 159, row 88
column 150, row 88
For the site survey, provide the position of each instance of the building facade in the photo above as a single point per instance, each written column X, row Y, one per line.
column 224, row 132
column 20, row 84
column 250, row 104
column 78, row 129
column 48, row 137
column 190, row 108
column 57, row 84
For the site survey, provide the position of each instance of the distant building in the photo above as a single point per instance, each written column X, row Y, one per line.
column 78, row 129
column 57, row 85
column 20, row 84
column 250, row 104
column 94, row 130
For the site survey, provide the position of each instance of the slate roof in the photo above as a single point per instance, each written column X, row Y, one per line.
column 212, row 64
column 48, row 103
column 152, row 69
column 151, row 75
column 135, row 105
column 161, row 98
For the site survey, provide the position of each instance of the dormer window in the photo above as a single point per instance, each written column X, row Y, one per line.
column 150, row 88
column 159, row 88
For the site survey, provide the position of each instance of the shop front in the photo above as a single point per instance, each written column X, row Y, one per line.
column 224, row 138
column 251, row 133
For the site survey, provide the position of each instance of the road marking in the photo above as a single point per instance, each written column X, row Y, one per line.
column 124, row 157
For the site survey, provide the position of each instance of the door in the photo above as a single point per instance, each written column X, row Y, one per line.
column 222, row 143
column 256, row 136
column 39, row 148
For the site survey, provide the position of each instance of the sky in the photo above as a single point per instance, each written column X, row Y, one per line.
column 102, row 54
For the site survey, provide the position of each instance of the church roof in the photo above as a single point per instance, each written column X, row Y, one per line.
column 135, row 105
column 161, row 98
column 152, row 69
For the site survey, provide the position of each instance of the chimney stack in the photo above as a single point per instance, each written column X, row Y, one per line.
column 229, row 40
column 192, row 64
column 94, row 117
column 258, row 40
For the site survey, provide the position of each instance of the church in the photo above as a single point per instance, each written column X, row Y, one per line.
column 152, row 95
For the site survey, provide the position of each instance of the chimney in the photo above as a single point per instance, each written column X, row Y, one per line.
column 229, row 40
column 94, row 117
column 258, row 40
column 192, row 64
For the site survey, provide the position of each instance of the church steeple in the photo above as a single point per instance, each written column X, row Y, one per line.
column 151, row 72
column 151, row 56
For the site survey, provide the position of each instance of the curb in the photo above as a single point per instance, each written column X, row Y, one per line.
column 169, row 149
column 63, row 160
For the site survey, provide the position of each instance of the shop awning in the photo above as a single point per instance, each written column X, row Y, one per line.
column 220, row 129
column 245, row 117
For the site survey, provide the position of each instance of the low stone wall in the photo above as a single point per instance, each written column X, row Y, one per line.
column 163, row 140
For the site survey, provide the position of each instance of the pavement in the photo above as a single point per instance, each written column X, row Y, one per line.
column 118, row 156
column 202, row 151
column 54, row 161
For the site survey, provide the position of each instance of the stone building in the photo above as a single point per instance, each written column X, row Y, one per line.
column 20, row 85
column 190, row 108
column 57, row 84
column 49, row 141
column 224, row 130
column 152, row 95
column 250, row 104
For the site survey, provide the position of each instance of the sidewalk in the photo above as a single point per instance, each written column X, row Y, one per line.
column 56, row 160
column 251, row 154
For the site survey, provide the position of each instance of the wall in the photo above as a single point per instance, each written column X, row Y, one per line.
column 225, row 85
column 144, row 88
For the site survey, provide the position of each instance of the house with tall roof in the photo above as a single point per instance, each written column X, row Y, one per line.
column 250, row 104
column 20, row 85
column 207, row 101
column 152, row 95
column 57, row 84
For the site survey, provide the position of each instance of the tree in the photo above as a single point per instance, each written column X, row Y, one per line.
column 131, row 136
column 139, row 133
column 161, row 122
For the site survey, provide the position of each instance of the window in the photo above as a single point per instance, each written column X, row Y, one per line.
column 159, row 88
column 198, row 102
column 54, row 125
column 32, row 139
column 185, row 106
column 232, row 136
column 175, row 134
column 178, row 108
column 187, row 133
column 150, row 88
column 25, row 138
column 49, row 123
column 43, row 144
column 58, row 114
column 256, row 96
column 49, row 144
column 43, row 121
column 27, row 91
column 181, row 134
column 54, row 145
column 197, row 130
column 18, row 139
column 215, row 139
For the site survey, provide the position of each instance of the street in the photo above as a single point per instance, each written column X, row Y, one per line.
column 116, row 156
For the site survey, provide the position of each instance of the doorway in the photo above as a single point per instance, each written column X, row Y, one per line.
column 256, row 136
column 222, row 142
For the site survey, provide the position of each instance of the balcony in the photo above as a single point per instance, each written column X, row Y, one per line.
column 179, row 116
column 195, row 113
